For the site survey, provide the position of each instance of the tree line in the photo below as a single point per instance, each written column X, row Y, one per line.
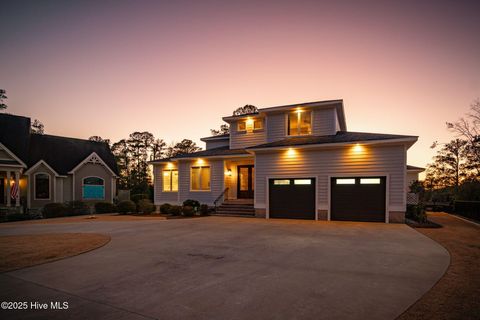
column 454, row 173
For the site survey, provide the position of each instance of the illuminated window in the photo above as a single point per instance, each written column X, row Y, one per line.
column 302, row 181
column 345, row 181
column 370, row 181
column 299, row 123
column 281, row 182
column 242, row 126
column 170, row 180
column 93, row 188
column 42, row 186
column 257, row 124
column 200, row 179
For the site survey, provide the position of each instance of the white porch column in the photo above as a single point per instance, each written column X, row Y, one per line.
column 17, row 183
column 9, row 202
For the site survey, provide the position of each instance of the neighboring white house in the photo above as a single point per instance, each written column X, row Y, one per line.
column 294, row 161
column 412, row 175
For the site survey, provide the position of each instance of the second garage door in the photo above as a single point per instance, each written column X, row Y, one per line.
column 292, row 198
column 358, row 199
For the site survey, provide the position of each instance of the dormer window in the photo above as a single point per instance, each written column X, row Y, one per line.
column 299, row 123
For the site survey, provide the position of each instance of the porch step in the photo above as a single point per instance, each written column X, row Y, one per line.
column 235, row 208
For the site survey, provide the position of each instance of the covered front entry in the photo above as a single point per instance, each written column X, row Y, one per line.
column 358, row 199
column 292, row 198
column 245, row 181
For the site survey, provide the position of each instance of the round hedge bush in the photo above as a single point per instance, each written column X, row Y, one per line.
column 191, row 203
column 188, row 211
column 105, row 207
column 175, row 210
column 165, row 208
column 145, row 206
column 126, row 206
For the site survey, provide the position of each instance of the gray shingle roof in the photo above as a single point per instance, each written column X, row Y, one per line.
column 340, row 137
column 221, row 151
column 15, row 134
column 63, row 154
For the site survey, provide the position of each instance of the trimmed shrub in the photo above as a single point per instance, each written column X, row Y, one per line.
column 416, row 212
column 165, row 208
column 145, row 206
column 77, row 207
column 18, row 217
column 139, row 196
column 105, row 207
column 175, row 210
column 126, row 206
column 188, row 211
column 55, row 210
column 191, row 203
column 204, row 209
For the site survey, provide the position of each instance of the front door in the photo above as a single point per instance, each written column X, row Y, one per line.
column 245, row 181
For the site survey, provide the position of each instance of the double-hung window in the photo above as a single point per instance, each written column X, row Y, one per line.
column 170, row 180
column 200, row 178
column 299, row 123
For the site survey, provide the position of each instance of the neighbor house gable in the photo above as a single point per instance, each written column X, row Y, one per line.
column 7, row 156
column 93, row 158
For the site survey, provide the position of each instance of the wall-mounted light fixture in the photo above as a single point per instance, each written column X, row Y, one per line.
column 228, row 172
column 200, row 161
column 169, row 165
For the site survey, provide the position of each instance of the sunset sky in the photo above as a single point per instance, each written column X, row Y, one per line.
column 109, row 68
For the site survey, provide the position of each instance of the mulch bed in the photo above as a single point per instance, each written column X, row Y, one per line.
column 457, row 294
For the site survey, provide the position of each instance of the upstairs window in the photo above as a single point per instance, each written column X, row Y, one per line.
column 242, row 126
column 170, row 180
column 257, row 124
column 299, row 123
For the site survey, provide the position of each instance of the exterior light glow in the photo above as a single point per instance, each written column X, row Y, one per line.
column 169, row 165
column 291, row 152
column 299, row 110
column 357, row 148
column 249, row 121
column 200, row 161
column 228, row 172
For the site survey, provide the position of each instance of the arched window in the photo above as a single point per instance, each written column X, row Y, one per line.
column 93, row 188
column 42, row 186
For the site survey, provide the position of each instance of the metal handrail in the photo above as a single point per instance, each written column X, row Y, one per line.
column 219, row 197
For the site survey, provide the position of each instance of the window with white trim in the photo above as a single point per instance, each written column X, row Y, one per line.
column 170, row 180
column 345, row 181
column 241, row 126
column 93, row 188
column 200, row 178
column 299, row 123
column 257, row 124
column 42, row 186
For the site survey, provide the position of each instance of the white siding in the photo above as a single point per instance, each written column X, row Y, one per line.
column 243, row 139
column 216, row 181
column 389, row 160
column 159, row 196
column 324, row 121
column 276, row 127
column 216, row 143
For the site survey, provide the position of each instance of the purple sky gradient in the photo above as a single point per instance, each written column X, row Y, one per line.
column 110, row 68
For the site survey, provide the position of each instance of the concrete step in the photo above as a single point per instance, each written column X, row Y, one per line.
column 234, row 210
column 233, row 215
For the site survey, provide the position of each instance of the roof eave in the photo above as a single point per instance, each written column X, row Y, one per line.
column 408, row 141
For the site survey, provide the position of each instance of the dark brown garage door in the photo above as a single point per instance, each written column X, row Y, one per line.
column 292, row 198
column 358, row 199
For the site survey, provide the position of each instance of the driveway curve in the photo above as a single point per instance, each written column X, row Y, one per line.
column 231, row 268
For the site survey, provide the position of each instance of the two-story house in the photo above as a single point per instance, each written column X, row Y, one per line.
column 294, row 161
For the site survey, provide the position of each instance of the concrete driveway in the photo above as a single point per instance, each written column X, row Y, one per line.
column 231, row 268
